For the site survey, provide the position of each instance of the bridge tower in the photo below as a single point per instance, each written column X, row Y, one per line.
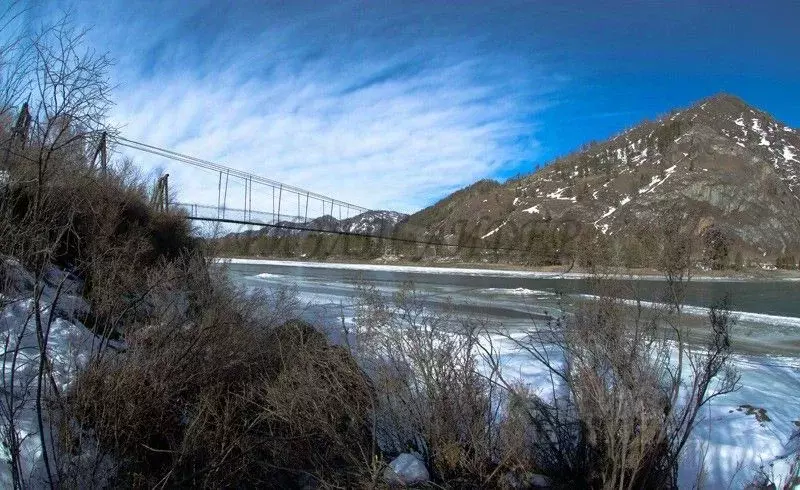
column 160, row 197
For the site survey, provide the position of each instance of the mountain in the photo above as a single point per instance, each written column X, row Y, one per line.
column 735, row 168
column 374, row 223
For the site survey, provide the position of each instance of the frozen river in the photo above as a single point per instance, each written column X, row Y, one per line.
column 768, row 312
column 766, row 337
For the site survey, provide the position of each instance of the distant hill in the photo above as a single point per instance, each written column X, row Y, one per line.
column 373, row 223
column 733, row 167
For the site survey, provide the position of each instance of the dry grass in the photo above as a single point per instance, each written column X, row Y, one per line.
column 213, row 396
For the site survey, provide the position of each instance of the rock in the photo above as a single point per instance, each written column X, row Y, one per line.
column 539, row 481
column 525, row 480
column 406, row 469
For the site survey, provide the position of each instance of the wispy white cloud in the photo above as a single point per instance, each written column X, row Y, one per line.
column 362, row 106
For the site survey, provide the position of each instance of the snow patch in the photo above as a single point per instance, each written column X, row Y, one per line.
column 641, row 156
column 757, row 128
column 519, row 291
column 494, row 231
column 604, row 227
column 557, row 195
column 788, row 154
column 69, row 347
column 267, row 275
column 656, row 181
column 532, row 209
column 610, row 211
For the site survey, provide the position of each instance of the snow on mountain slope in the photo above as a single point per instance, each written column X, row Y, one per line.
column 380, row 223
column 736, row 166
column 373, row 222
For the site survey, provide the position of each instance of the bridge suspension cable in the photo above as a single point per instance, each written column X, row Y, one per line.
column 232, row 172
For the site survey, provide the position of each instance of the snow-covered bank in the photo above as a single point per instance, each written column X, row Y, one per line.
column 733, row 443
column 406, row 268
column 729, row 436
column 69, row 346
column 729, row 443
column 463, row 271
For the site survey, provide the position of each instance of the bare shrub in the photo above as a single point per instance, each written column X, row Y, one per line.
column 57, row 208
column 210, row 390
column 211, row 395
column 626, row 391
column 431, row 397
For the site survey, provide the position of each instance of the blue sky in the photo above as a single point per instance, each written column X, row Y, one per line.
column 395, row 104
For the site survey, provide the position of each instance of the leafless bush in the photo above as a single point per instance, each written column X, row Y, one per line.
column 431, row 395
column 57, row 208
column 624, row 390
column 210, row 394
column 210, row 390
column 625, row 393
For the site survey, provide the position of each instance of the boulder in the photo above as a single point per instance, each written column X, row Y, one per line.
column 525, row 480
column 406, row 469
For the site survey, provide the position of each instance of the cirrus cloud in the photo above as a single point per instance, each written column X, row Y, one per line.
column 382, row 107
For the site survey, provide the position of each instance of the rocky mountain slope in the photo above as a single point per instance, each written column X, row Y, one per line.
column 730, row 165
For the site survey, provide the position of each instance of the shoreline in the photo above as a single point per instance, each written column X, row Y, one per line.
column 787, row 347
column 500, row 270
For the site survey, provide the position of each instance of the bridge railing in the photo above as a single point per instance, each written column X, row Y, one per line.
column 211, row 212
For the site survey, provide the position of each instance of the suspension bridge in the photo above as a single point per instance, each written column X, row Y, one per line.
column 277, row 204
column 269, row 203
column 263, row 202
